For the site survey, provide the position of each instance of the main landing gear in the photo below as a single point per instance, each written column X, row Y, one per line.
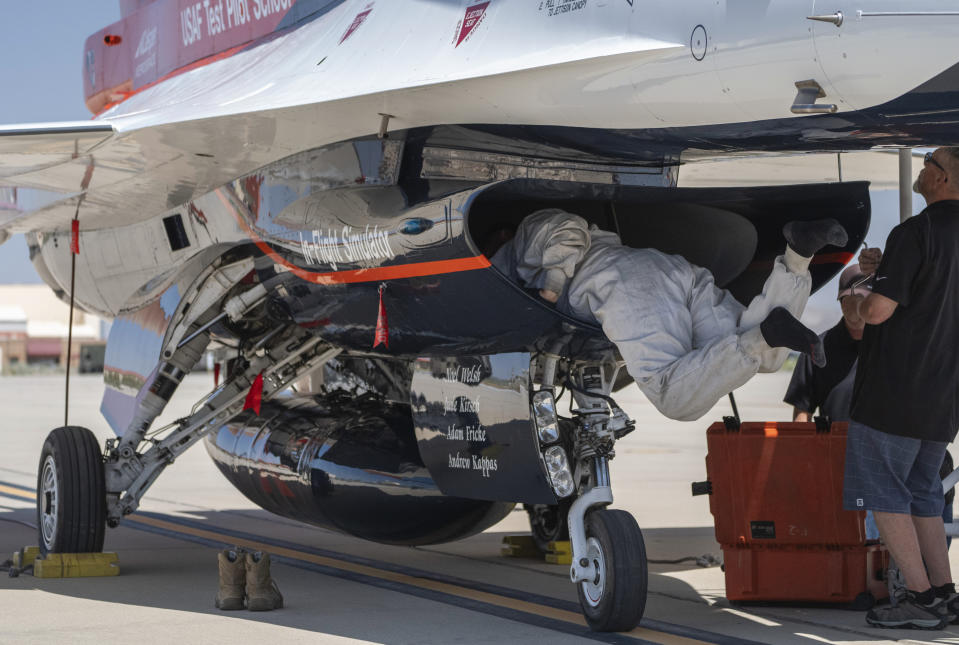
column 609, row 566
column 82, row 489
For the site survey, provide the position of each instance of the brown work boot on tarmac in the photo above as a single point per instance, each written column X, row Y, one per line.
column 262, row 594
column 229, row 594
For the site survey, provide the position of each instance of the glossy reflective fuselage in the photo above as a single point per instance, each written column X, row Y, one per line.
column 342, row 230
column 348, row 465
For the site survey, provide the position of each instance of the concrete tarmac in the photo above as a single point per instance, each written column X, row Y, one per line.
column 339, row 589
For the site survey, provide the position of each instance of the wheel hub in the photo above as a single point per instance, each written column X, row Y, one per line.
column 594, row 589
column 49, row 495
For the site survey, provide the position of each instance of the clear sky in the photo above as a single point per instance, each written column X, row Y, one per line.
column 41, row 79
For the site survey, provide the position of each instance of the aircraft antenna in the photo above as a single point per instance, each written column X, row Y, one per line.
column 74, row 252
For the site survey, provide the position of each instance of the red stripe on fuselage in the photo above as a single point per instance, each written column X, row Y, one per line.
column 842, row 257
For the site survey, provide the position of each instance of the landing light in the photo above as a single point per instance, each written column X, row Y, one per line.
column 544, row 413
column 559, row 474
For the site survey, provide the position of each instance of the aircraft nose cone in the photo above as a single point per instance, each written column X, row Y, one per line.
column 873, row 52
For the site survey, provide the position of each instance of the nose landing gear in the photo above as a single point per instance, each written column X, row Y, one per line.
column 609, row 566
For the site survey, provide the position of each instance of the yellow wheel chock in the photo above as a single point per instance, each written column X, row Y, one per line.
column 67, row 565
column 523, row 546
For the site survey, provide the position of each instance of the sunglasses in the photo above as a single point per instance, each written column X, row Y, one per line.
column 928, row 159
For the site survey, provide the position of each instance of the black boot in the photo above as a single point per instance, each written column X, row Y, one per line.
column 781, row 329
column 806, row 238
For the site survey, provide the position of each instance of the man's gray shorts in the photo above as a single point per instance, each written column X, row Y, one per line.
column 892, row 474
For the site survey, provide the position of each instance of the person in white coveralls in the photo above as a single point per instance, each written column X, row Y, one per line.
column 686, row 342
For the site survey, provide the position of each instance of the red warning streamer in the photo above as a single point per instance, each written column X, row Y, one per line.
column 255, row 396
column 382, row 335
column 75, row 237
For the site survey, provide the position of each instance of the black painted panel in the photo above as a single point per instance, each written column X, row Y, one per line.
column 473, row 427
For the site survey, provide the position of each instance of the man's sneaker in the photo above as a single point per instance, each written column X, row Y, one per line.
column 952, row 606
column 910, row 614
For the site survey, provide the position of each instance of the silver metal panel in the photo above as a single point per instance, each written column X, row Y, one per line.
column 448, row 163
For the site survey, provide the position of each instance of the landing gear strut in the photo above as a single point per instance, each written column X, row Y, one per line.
column 609, row 565
column 82, row 489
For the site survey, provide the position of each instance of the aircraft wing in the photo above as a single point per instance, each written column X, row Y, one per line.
column 26, row 149
column 50, row 157
column 59, row 162
column 186, row 135
column 121, row 177
column 204, row 126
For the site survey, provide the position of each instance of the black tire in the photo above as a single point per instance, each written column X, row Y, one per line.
column 616, row 600
column 862, row 602
column 548, row 523
column 71, row 494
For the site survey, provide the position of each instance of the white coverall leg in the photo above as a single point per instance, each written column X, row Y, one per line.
column 783, row 288
column 681, row 335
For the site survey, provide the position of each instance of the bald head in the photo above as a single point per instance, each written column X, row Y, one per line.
column 949, row 157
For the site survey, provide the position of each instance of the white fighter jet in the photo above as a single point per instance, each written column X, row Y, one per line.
column 307, row 187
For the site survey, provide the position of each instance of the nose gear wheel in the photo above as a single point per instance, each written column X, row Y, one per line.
column 615, row 599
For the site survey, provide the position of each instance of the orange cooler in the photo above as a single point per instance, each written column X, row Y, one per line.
column 776, row 498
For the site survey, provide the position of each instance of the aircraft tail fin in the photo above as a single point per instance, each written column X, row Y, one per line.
column 128, row 7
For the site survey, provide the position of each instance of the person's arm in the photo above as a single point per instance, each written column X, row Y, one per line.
column 876, row 308
column 869, row 260
column 800, row 392
column 894, row 277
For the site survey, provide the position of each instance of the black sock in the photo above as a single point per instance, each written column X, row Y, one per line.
column 946, row 590
column 781, row 329
column 806, row 238
column 927, row 597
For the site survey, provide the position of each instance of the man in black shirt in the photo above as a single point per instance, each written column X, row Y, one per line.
column 829, row 388
column 905, row 406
